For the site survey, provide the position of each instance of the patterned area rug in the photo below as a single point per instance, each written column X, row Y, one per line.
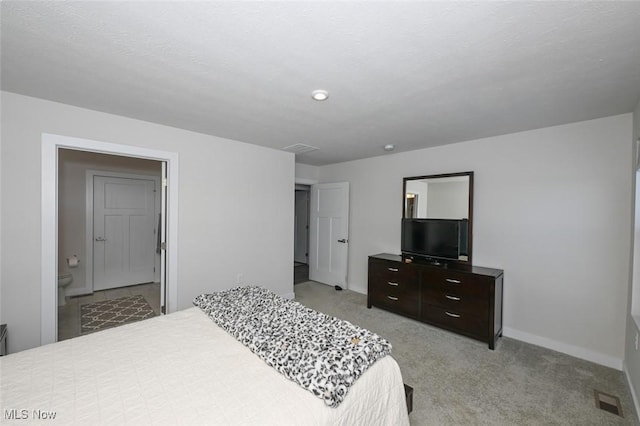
column 111, row 313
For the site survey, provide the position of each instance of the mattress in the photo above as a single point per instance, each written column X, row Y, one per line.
column 179, row 369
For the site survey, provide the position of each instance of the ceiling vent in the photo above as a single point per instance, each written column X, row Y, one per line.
column 299, row 148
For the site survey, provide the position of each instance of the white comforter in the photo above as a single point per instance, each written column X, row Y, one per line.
column 179, row 369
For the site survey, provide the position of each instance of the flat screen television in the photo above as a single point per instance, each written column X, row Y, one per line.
column 444, row 239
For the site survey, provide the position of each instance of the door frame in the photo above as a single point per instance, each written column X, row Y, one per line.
column 90, row 174
column 49, row 220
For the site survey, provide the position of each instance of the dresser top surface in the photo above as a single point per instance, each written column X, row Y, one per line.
column 478, row 270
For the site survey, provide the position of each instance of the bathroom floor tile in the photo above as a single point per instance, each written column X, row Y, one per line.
column 114, row 293
column 91, row 298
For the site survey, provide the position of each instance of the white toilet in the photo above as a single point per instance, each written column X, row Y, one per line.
column 63, row 281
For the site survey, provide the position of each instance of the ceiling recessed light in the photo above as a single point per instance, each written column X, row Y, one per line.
column 389, row 147
column 320, row 95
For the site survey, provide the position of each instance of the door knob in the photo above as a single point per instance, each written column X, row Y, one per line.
column 344, row 240
column 101, row 239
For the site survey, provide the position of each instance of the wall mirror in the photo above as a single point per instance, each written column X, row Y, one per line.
column 443, row 196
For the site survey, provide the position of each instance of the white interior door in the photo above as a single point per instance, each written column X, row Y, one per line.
column 123, row 232
column 301, row 242
column 329, row 233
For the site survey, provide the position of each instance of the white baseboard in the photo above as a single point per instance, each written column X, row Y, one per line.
column 634, row 396
column 360, row 290
column 576, row 351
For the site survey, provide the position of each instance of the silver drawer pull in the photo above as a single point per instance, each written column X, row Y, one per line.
column 393, row 284
column 393, row 269
column 392, row 298
column 452, row 281
column 452, row 297
column 452, row 315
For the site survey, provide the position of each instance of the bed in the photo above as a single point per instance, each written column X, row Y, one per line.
column 180, row 369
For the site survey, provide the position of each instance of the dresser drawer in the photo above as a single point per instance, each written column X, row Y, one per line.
column 456, row 320
column 393, row 272
column 456, row 301
column 396, row 287
column 456, row 283
column 402, row 303
column 400, row 282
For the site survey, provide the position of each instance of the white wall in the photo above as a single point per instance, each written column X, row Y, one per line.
column 448, row 200
column 551, row 207
column 306, row 173
column 72, row 168
column 221, row 182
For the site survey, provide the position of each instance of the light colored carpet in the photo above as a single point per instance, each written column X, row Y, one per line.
column 459, row 381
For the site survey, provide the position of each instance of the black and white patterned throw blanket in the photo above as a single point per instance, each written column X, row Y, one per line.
column 323, row 354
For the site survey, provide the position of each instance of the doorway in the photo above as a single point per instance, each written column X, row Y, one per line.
column 301, row 234
column 51, row 147
column 116, row 247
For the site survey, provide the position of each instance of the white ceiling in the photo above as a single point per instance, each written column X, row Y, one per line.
column 415, row 74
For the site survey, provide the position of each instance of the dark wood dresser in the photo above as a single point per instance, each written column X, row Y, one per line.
column 459, row 298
